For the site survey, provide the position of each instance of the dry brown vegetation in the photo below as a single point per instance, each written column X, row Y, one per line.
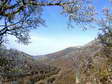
column 87, row 63
column 21, row 68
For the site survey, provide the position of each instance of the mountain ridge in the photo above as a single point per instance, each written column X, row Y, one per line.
column 66, row 58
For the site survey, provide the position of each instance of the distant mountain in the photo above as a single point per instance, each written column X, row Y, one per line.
column 64, row 60
column 54, row 68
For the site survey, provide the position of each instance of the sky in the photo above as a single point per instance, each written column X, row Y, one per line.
column 56, row 36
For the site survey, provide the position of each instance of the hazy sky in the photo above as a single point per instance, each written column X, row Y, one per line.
column 56, row 36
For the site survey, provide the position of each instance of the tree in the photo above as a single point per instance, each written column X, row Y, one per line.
column 106, row 33
column 18, row 17
column 105, row 37
column 106, row 28
column 99, row 66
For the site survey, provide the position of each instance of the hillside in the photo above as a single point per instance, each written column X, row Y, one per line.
column 69, row 60
column 86, row 64
column 19, row 67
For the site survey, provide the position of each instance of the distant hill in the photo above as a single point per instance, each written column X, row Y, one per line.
column 65, row 59
column 56, row 68
column 15, row 65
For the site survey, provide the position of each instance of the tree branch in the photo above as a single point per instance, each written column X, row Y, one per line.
column 30, row 3
column 51, row 4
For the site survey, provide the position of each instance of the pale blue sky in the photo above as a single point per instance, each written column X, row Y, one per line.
column 56, row 36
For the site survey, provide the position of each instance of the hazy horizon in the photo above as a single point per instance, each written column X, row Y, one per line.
column 41, row 45
column 22, row 48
